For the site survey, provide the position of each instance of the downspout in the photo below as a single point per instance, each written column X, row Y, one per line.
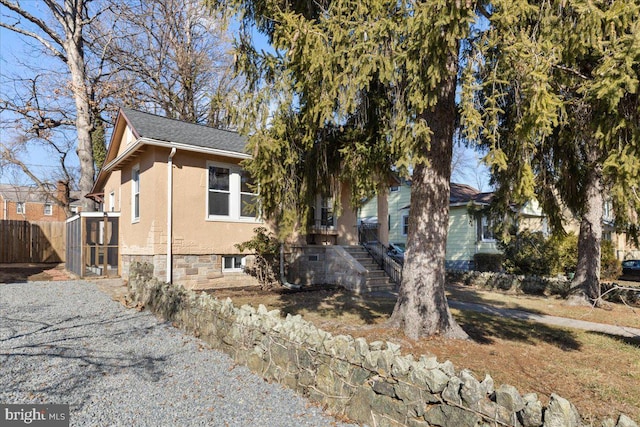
column 170, row 214
column 283, row 279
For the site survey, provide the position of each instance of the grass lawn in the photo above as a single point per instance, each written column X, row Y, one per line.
column 600, row 374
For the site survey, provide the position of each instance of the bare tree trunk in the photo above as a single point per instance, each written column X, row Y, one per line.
column 84, row 148
column 72, row 17
column 421, row 308
column 585, row 287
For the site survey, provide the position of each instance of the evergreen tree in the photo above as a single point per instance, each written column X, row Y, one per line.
column 355, row 90
column 551, row 90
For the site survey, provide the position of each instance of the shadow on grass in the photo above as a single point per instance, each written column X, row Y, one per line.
column 334, row 302
column 458, row 292
column 485, row 328
column 634, row 342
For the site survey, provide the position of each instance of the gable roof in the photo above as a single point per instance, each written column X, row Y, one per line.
column 146, row 125
column 151, row 129
column 463, row 194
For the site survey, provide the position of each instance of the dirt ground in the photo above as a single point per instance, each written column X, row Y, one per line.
column 600, row 374
column 22, row 273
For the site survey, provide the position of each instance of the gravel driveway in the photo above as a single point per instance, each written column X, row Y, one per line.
column 67, row 342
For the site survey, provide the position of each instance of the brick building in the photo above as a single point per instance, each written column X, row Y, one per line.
column 26, row 203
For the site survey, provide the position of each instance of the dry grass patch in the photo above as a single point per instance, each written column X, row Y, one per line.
column 612, row 314
column 600, row 374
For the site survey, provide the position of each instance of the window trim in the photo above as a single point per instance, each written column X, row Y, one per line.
column 234, row 269
column 245, row 193
column 484, row 221
column 405, row 223
column 21, row 208
column 50, row 209
column 235, row 195
column 135, row 171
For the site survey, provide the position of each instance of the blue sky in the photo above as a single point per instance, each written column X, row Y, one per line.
column 43, row 163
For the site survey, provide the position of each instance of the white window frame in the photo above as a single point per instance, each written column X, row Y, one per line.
column 251, row 194
column 236, row 268
column 50, row 210
column 20, row 208
column 484, row 222
column 405, row 225
column 112, row 201
column 324, row 203
column 135, row 193
column 235, row 195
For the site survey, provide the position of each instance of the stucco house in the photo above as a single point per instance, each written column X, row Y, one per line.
column 184, row 202
column 183, row 198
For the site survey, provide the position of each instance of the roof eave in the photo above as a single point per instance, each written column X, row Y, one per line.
column 157, row 143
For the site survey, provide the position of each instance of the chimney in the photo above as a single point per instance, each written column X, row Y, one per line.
column 62, row 192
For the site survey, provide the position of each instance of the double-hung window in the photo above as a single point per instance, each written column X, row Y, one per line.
column 327, row 218
column 230, row 195
column 48, row 209
column 248, row 199
column 405, row 225
column 219, row 191
column 486, row 229
column 20, row 208
column 135, row 194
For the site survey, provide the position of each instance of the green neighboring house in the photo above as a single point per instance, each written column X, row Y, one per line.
column 468, row 235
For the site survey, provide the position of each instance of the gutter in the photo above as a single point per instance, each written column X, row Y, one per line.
column 184, row 147
column 170, row 214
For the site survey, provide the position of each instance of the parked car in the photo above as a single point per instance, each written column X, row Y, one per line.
column 631, row 268
column 396, row 252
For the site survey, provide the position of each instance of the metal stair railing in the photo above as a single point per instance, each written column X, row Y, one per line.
column 379, row 253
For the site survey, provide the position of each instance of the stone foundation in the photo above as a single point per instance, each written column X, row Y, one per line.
column 190, row 271
column 368, row 382
column 320, row 265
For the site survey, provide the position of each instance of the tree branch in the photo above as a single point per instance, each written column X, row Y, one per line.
column 38, row 22
column 39, row 38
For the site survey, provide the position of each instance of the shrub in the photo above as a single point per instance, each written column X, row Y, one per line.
column 528, row 253
column 610, row 267
column 266, row 265
column 565, row 252
column 488, row 262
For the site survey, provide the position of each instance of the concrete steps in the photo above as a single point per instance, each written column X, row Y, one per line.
column 377, row 279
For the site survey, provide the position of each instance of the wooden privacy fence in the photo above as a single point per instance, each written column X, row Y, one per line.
column 38, row 241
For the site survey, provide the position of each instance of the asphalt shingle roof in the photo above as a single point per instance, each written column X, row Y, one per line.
column 462, row 193
column 170, row 130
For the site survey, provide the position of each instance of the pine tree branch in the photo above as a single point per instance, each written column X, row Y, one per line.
column 571, row 71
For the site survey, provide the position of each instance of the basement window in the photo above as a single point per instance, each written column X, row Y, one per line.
column 233, row 263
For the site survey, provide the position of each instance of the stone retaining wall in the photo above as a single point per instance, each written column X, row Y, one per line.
column 535, row 285
column 370, row 383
